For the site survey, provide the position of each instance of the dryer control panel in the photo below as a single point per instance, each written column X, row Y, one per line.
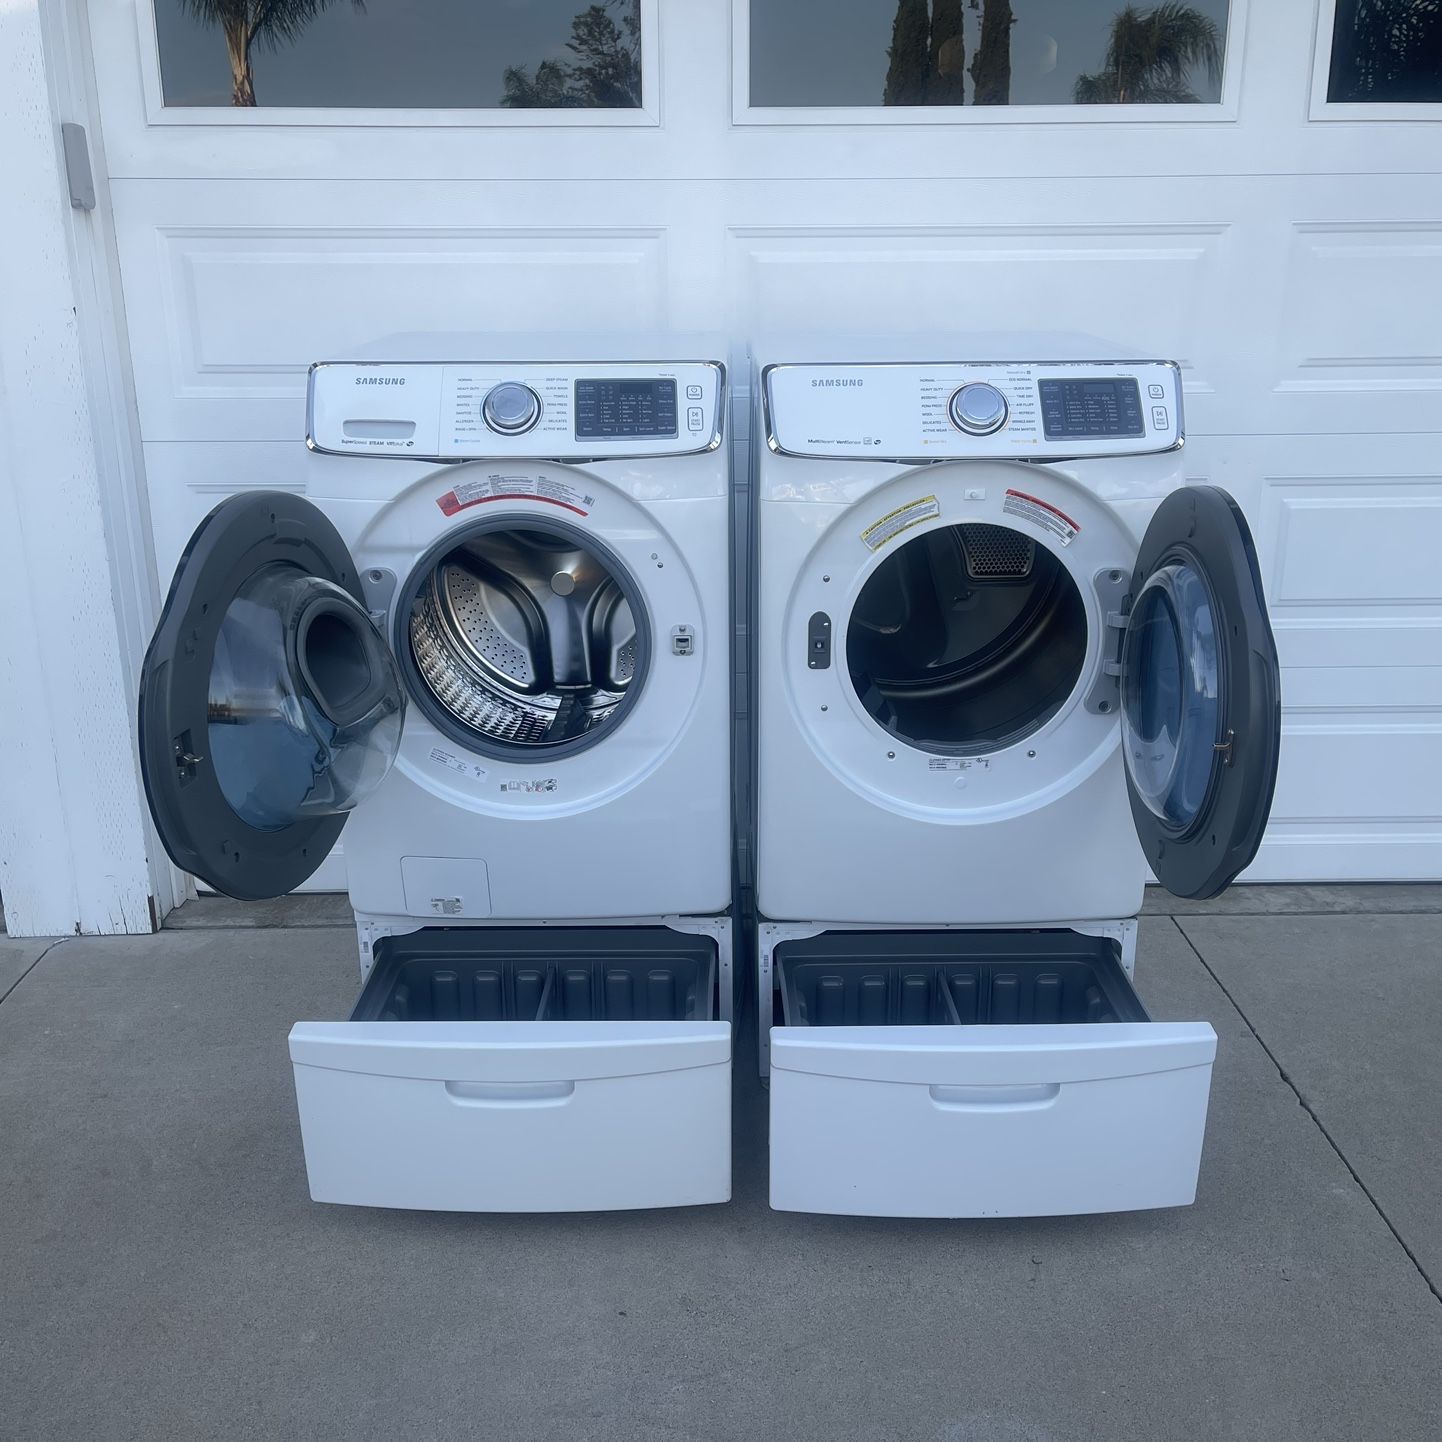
column 974, row 410
column 442, row 411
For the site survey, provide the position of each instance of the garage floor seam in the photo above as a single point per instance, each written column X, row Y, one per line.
column 59, row 940
column 1306, row 1107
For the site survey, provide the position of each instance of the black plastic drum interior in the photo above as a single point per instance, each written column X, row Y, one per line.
column 967, row 639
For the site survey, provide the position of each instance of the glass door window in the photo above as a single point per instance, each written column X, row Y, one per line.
column 870, row 54
column 400, row 54
column 1386, row 52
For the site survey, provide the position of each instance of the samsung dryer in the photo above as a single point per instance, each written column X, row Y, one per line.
column 1005, row 661
column 492, row 643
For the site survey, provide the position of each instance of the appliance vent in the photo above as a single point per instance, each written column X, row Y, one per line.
column 997, row 553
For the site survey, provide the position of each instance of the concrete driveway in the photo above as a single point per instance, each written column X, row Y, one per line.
column 164, row 1275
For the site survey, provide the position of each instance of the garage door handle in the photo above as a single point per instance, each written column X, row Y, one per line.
column 510, row 1094
column 992, row 1099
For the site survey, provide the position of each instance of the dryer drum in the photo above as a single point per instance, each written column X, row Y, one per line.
column 967, row 639
column 524, row 638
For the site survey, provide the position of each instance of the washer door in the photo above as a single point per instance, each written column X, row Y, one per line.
column 270, row 705
column 1201, row 707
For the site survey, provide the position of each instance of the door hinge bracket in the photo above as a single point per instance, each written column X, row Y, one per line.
column 1104, row 697
column 78, row 175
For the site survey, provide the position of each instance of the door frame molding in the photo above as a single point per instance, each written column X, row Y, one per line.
column 77, row 594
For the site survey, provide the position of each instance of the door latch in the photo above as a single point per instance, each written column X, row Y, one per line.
column 187, row 763
column 818, row 642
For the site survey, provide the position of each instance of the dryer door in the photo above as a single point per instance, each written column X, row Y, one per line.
column 1201, row 708
column 269, row 703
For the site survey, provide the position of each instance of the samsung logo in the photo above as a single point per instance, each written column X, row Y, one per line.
column 380, row 380
column 838, row 383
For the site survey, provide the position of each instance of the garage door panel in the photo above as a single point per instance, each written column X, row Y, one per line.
column 1351, row 352
column 227, row 314
column 1143, row 282
column 1356, row 800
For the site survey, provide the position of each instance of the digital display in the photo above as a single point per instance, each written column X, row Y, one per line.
column 1073, row 410
column 607, row 410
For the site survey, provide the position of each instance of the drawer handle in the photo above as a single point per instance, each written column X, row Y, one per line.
column 510, row 1094
column 992, row 1099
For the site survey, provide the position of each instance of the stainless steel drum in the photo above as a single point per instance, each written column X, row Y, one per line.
column 525, row 638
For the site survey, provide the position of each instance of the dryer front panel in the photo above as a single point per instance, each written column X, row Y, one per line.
column 976, row 410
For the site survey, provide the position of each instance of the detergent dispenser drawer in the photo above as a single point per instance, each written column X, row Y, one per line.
column 523, row 1070
column 972, row 1074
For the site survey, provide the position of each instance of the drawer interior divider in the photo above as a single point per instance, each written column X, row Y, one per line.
column 540, row 974
column 951, row 978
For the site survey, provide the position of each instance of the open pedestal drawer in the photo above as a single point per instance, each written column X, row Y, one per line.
column 523, row 1069
column 973, row 1074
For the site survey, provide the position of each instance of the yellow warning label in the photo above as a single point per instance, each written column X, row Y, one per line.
column 893, row 523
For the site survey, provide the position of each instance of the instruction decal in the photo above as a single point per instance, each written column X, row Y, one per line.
column 499, row 487
column 539, row 787
column 893, row 523
column 1041, row 513
column 459, row 764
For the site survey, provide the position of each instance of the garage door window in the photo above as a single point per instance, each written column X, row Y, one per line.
column 284, row 60
column 1385, row 52
column 945, row 59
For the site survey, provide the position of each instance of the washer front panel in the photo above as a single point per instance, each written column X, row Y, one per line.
column 422, row 522
column 434, row 411
column 1056, row 410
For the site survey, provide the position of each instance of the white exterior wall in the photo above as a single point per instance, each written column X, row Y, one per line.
column 1288, row 253
column 73, row 842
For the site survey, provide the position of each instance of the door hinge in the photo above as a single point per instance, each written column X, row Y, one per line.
column 1105, row 695
column 78, row 174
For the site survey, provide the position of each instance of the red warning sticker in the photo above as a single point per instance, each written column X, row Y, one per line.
column 498, row 487
column 1041, row 513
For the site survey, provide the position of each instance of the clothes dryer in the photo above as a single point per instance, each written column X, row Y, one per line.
column 1005, row 660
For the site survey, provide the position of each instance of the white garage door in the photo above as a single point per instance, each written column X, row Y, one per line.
column 1243, row 189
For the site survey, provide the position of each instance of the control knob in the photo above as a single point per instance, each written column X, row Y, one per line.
column 978, row 409
column 511, row 409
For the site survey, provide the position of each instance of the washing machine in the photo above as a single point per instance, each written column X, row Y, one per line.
column 491, row 644
column 1006, row 661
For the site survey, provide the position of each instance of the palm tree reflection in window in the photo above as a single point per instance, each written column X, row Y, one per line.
column 1150, row 55
column 248, row 22
column 605, row 73
column 1148, row 60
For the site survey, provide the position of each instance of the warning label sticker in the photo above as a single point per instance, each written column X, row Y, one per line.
column 540, row 786
column 958, row 763
column 499, row 487
column 1041, row 513
column 893, row 523
column 459, row 764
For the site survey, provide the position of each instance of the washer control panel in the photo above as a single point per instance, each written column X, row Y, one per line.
column 435, row 410
column 1008, row 410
